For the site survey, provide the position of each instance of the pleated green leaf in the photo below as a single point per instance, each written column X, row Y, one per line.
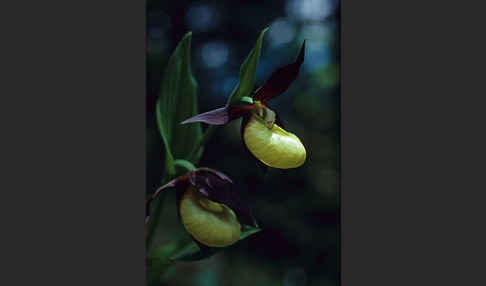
column 177, row 101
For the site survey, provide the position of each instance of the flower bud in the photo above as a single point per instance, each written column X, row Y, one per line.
column 271, row 144
column 212, row 224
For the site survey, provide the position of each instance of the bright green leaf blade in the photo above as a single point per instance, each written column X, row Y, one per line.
column 169, row 159
column 178, row 101
column 247, row 73
column 190, row 251
column 185, row 164
column 247, row 99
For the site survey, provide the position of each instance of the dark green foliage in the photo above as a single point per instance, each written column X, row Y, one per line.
column 187, row 249
column 178, row 101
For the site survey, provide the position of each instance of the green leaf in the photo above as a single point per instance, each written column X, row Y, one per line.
column 165, row 251
column 185, row 164
column 188, row 250
column 247, row 73
column 155, row 213
column 249, row 230
column 169, row 159
column 247, row 99
column 177, row 101
column 156, row 269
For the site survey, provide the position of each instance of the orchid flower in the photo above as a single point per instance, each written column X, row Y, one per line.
column 210, row 210
column 261, row 129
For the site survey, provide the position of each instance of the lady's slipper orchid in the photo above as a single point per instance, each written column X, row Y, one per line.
column 208, row 207
column 261, row 129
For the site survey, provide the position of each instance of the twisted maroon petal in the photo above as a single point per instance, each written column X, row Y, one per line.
column 218, row 187
column 221, row 115
column 178, row 182
column 281, row 79
column 212, row 184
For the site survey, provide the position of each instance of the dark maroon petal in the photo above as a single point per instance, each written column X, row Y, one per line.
column 281, row 79
column 216, row 187
column 192, row 174
column 220, row 116
column 176, row 183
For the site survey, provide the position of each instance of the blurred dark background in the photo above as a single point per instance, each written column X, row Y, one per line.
column 298, row 209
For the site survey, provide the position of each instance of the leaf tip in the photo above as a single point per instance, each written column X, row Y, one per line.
column 187, row 35
column 262, row 33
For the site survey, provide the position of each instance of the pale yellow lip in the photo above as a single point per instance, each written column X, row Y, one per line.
column 275, row 147
column 210, row 223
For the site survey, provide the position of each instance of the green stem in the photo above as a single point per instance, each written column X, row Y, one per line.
column 207, row 135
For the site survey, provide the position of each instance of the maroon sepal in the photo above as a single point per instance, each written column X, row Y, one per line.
column 217, row 187
column 221, row 115
column 212, row 184
column 244, row 121
column 178, row 182
column 280, row 79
